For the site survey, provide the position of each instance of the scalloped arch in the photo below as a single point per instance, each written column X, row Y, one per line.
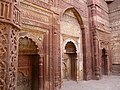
column 37, row 42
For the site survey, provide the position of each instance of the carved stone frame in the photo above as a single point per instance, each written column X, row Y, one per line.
column 85, row 42
column 39, row 44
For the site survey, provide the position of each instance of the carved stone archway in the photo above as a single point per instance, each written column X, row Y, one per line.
column 28, row 65
column 39, row 43
column 38, row 40
column 72, row 31
column 69, row 62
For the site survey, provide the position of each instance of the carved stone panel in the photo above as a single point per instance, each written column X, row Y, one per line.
column 13, row 58
column 5, row 8
column 33, row 15
column 9, row 12
column 3, row 55
column 70, row 25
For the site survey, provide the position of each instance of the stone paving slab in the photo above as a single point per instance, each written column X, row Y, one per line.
column 106, row 83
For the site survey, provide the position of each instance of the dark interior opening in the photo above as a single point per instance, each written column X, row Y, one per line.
column 104, row 62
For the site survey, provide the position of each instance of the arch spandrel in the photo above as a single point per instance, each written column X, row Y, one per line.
column 37, row 39
column 69, row 24
column 76, row 13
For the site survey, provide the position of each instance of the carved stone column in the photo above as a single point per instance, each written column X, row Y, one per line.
column 9, row 28
column 77, row 68
column 56, row 52
column 95, row 41
column 3, row 55
column 41, row 79
column 96, row 55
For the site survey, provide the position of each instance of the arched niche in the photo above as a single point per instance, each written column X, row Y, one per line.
column 70, row 23
column 30, row 63
column 69, row 64
column 71, row 26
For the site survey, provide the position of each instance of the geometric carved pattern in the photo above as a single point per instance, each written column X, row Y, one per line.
column 13, row 57
column 8, row 43
column 3, row 53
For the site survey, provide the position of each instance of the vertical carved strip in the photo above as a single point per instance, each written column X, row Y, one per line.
column 16, row 15
column 56, row 52
column 3, row 55
column 5, row 10
column 13, row 58
column 95, row 42
column 96, row 55
column 41, row 72
column 2, row 9
column 51, row 62
column 8, row 46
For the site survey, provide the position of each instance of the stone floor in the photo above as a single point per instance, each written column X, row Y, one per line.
column 106, row 83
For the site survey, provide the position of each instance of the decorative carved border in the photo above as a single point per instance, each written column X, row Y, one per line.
column 39, row 44
column 3, row 54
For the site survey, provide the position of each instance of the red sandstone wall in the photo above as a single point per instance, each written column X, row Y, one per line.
column 114, row 16
column 41, row 23
column 100, row 32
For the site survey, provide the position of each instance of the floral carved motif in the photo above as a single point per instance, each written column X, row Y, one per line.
column 3, row 53
column 13, row 57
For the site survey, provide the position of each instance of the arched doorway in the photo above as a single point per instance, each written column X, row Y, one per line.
column 69, row 62
column 72, row 35
column 104, row 62
column 28, row 65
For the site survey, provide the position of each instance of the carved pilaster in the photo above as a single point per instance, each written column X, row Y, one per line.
column 9, row 28
column 96, row 55
column 41, row 79
column 12, row 58
column 3, row 55
column 56, row 52
column 95, row 42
